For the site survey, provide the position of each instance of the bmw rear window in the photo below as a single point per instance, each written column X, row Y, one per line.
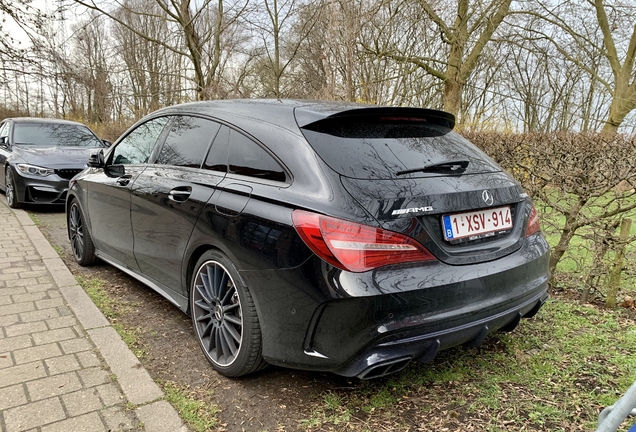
column 388, row 147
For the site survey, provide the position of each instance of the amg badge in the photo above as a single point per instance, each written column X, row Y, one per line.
column 411, row 210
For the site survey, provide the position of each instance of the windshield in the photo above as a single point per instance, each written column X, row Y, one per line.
column 54, row 135
column 388, row 147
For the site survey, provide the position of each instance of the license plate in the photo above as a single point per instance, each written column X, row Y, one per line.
column 475, row 223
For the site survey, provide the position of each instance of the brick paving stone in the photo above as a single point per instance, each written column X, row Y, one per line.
column 37, row 352
column 53, row 386
column 82, row 402
column 119, row 420
column 49, row 303
column 21, row 329
column 64, row 310
column 29, row 297
column 8, row 320
column 62, row 364
column 33, row 415
column 21, row 282
column 53, row 336
column 40, row 287
column 14, row 343
column 13, row 291
column 34, row 274
column 75, row 345
column 5, row 360
column 59, row 322
column 88, row 359
column 92, row 377
column 39, row 315
column 12, row 396
column 86, row 423
column 109, row 394
column 5, row 299
column 16, row 308
column 21, row 373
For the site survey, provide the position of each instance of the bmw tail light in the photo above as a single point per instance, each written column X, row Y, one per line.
column 355, row 247
column 533, row 223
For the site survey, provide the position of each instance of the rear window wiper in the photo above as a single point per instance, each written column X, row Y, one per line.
column 446, row 167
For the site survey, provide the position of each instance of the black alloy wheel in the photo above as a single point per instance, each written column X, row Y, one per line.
column 224, row 317
column 12, row 195
column 81, row 241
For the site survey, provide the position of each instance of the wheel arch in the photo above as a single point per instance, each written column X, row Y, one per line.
column 194, row 257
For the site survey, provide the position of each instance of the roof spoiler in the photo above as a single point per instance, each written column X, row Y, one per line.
column 305, row 117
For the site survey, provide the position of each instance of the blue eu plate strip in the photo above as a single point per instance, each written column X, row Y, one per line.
column 447, row 227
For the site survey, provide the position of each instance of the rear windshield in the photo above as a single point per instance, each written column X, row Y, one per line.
column 384, row 148
column 54, row 135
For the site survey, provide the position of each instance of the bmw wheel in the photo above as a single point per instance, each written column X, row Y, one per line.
column 224, row 317
column 81, row 241
column 12, row 195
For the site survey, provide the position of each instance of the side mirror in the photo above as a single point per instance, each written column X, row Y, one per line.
column 106, row 143
column 4, row 141
column 96, row 159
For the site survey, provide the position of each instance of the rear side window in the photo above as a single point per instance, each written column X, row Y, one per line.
column 136, row 147
column 238, row 154
column 187, row 141
column 250, row 159
column 369, row 147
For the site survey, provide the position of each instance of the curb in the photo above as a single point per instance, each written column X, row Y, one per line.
column 134, row 380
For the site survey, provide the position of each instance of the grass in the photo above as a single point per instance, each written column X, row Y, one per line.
column 59, row 251
column 36, row 220
column 112, row 309
column 194, row 408
column 554, row 372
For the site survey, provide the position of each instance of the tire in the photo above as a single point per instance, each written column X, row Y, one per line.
column 224, row 317
column 9, row 187
column 81, row 241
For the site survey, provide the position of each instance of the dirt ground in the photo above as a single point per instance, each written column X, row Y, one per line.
column 275, row 399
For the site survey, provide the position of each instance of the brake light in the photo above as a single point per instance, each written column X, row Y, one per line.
column 355, row 247
column 533, row 223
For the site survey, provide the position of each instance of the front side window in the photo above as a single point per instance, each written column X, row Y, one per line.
column 187, row 141
column 54, row 135
column 136, row 147
column 4, row 131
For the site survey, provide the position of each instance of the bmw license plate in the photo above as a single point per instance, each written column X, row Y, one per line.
column 476, row 223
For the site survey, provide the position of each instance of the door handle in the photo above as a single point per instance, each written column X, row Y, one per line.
column 178, row 195
column 124, row 180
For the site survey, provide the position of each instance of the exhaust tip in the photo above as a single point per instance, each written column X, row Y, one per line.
column 384, row 368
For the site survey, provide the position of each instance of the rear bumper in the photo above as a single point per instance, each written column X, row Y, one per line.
column 393, row 353
column 369, row 324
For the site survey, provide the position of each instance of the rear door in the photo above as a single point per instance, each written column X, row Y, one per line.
column 418, row 177
column 168, row 197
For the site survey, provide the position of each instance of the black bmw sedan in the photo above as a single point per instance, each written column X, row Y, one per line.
column 316, row 235
column 39, row 157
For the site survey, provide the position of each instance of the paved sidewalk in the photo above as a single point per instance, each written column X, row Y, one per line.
column 62, row 366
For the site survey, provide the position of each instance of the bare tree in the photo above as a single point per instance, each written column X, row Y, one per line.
column 613, row 38
column 464, row 27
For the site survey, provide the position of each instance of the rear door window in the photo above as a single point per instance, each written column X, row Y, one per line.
column 369, row 147
column 187, row 141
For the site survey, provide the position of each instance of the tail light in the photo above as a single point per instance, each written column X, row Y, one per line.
column 355, row 247
column 533, row 223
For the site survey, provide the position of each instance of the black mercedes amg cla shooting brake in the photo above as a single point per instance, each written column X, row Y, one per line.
column 315, row 235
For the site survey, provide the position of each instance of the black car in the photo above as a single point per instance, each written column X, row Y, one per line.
column 40, row 156
column 314, row 235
